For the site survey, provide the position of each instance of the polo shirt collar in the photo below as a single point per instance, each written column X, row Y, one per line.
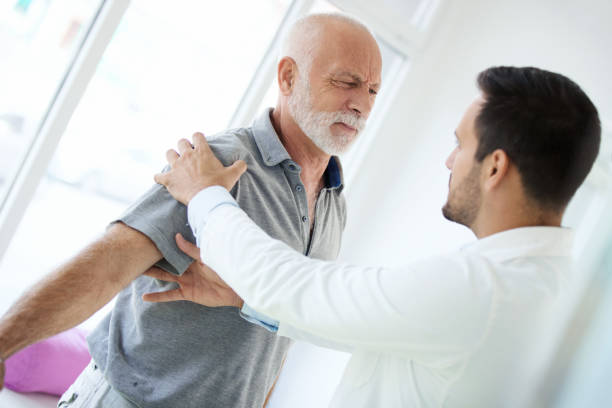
column 270, row 147
column 273, row 152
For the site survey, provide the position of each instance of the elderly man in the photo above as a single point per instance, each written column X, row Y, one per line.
column 187, row 355
column 446, row 331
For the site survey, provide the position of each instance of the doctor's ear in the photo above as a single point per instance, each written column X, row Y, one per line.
column 496, row 166
column 287, row 74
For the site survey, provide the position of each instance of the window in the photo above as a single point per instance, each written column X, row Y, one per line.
column 170, row 69
column 33, row 34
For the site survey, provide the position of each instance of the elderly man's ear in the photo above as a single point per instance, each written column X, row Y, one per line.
column 287, row 74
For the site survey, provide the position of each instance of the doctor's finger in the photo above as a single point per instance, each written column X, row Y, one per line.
column 187, row 247
column 161, row 178
column 184, row 146
column 171, row 156
column 200, row 143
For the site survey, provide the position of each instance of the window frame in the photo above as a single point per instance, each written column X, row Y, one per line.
column 71, row 88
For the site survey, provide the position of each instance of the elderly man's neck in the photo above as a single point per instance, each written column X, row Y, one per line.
column 302, row 150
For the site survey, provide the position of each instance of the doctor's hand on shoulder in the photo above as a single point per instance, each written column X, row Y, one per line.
column 195, row 167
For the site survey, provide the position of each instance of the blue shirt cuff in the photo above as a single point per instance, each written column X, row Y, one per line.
column 203, row 203
column 259, row 319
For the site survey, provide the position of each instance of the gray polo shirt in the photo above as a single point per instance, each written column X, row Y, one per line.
column 181, row 354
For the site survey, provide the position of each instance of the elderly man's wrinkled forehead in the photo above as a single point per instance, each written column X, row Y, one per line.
column 324, row 36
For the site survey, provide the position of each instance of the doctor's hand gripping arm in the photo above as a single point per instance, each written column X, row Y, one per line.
column 198, row 284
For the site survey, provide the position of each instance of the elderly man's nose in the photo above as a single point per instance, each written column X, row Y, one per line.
column 361, row 104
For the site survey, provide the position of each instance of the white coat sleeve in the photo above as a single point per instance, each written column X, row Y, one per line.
column 436, row 306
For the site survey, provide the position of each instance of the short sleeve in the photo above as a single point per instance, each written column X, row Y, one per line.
column 159, row 216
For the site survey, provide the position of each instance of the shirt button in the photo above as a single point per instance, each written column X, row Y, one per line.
column 304, row 218
column 292, row 167
column 299, row 188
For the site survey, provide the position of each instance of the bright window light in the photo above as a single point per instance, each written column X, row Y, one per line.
column 38, row 40
column 172, row 68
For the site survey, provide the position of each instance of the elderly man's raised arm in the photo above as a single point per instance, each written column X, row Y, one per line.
column 77, row 289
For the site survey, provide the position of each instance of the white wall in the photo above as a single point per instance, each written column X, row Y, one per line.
column 395, row 200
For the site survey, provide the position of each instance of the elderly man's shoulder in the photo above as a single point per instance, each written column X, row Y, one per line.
column 233, row 144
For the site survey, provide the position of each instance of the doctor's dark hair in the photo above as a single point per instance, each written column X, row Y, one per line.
column 546, row 124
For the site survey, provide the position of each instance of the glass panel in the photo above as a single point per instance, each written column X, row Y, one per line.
column 33, row 34
column 156, row 85
column 171, row 69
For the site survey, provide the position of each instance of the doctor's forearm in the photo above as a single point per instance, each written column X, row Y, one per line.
column 279, row 282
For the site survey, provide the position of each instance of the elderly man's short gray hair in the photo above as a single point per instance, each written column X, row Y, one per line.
column 302, row 39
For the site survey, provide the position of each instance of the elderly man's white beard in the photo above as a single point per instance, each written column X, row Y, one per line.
column 316, row 125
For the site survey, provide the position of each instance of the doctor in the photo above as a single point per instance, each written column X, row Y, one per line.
column 446, row 331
